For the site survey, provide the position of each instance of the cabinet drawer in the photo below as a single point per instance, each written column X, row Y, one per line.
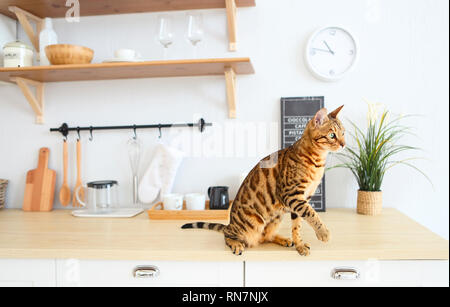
column 170, row 273
column 27, row 272
column 371, row 273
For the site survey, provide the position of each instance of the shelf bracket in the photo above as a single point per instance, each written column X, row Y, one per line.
column 230, row 81
column 25, row 18
column 231, row 17
column 36, row 100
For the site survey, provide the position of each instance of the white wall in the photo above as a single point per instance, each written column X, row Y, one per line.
column 404, row 64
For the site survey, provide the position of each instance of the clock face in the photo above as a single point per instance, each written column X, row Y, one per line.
column 331, row 52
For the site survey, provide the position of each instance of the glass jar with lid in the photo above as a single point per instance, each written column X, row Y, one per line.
column 17, row 54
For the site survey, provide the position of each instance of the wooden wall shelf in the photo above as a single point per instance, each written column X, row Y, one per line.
column 108, row 71
column 38, row 9
column 57, row 8
column 37, row 76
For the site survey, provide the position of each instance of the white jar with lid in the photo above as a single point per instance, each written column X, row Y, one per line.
column 17, row 54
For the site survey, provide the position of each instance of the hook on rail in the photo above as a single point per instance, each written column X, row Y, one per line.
column 90, row 134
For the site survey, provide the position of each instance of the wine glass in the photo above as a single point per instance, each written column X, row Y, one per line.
column 194, row 29
column 165, row 33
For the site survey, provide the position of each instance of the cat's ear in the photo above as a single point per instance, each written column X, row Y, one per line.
column 320, row 117
column 335, row 113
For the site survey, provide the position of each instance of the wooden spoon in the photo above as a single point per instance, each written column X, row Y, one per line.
column 64, row 193
column 75, row 203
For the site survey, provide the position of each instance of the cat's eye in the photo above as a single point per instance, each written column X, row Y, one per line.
column 332, row 135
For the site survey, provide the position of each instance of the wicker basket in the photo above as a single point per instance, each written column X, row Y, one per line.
column 3, row 186
column 369, row 203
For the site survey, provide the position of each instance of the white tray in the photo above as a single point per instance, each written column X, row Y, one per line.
column 120, row 212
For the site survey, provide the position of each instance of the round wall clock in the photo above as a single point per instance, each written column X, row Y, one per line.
column 331, row 53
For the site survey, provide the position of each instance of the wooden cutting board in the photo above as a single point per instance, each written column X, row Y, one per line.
column 40, row 185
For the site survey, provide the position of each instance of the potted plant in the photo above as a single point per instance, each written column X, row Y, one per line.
column 373, row 154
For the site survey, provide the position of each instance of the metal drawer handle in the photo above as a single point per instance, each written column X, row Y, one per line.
column 345, row 273
column 148, row 271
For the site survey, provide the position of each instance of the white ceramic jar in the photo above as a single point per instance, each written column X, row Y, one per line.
column 17, row 54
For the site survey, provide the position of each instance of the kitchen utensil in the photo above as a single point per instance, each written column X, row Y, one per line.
column 173, row 201
column 64, row 192
column 134, row 152
column 195, row 201
column 218, row 197
column 17, row 54
column 78, row 184
column 60, row 54
column 194, row 31
column 3, row 186
column 165, row 33
column 102, row 195
column 40, row 185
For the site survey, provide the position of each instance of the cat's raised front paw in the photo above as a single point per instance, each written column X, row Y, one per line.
column 323, row 234
column 303, row 249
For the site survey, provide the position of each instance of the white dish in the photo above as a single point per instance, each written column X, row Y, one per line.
column 117, row 213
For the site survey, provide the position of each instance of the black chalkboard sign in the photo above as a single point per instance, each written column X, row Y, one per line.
column 295, row 114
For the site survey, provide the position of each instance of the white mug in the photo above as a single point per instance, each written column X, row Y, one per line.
column 125, row 54
column 195, row 201
column 173, row 201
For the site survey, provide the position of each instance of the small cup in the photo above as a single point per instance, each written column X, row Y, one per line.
column 195, row 201
column 173, row 201
column 125, row 54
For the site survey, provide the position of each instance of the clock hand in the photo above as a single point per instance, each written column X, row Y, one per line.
column 323, row 50
column 331, row 51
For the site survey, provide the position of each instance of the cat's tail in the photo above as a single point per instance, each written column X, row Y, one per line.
column 203, row 225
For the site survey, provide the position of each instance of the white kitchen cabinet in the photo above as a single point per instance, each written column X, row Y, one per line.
column 371, row 273
column 27, row 273
column 72, row 272
column 92, row 273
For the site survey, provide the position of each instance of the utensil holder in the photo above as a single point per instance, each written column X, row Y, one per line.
column 3, row 186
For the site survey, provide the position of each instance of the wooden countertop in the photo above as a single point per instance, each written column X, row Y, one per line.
column 390, row 236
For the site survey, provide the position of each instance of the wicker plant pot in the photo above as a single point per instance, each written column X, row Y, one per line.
column 3, row 185
column 369, row 203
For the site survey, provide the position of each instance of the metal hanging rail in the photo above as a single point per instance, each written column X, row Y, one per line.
column 65, row 129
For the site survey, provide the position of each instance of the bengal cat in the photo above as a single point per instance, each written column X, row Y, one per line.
column 283, row 182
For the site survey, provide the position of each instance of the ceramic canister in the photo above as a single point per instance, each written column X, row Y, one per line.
column 17, row 54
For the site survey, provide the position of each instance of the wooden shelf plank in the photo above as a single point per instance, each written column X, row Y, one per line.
column 57, row 8
column 109, row 71
column 38, row 75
